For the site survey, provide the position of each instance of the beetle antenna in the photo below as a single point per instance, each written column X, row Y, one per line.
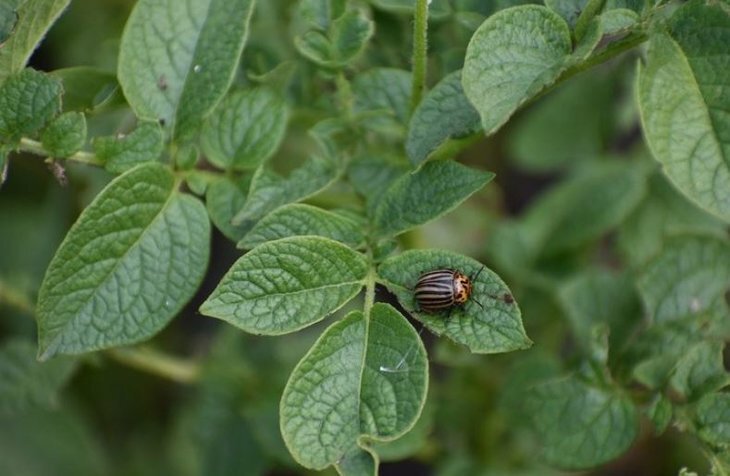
column 478, row 273
column 480, row 304
column 397, row 368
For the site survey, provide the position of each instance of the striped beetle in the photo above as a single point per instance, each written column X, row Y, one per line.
column 444, row 289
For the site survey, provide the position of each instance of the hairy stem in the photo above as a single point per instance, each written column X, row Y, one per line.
column 420, row 46
column 35, row 147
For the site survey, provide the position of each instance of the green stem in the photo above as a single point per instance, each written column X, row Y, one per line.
column 35, row 147
column 15, row 299
column 369, row 288
column 420, row 46
column 157, row 363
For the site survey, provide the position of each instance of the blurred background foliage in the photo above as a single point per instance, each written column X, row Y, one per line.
column 553, row 169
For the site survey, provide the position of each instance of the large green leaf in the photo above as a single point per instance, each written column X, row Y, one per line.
column 495, row 326
column 288, row 284
column 298, row 219
column 513, row 55
column 581, row 426
column 245, row 129
column 339, row 393
column 176, row 63
column 684, row 96
column 26, row 383
column 34, row 18
column 445, row 113
column 28, row 100
column 127, row 266
column 689, row 277
column 382, row 97
column 417, row 198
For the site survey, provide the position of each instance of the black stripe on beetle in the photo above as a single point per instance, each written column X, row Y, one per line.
column 444, row 289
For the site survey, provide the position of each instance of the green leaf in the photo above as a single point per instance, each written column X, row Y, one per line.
column 568, row 9
column 286, row 285
column 34, row 18
column 245, row 129
column 700, row 370
column 512, row 56
column 445, row 113
column 546, row 138
column 131, row 261
column 65, row 135
column 660, row 413
column 8, row 20
column 570, row 215
column 175, row 64
column 387, row 92
column 122, row 152
column 581, row 426
column 417, row 198
column 713, row 418
column 224, row 198
column 40, row 443
column 298, row 219
column 344, row 39
column 688, row 278
column 495, row 327
column 87, row 89
column 663, row 212
column 684, row 93
column 269, row 190
column 371, row 175
column 28, row 101
column 600, row 297
column 338, row 393
column 26, row 383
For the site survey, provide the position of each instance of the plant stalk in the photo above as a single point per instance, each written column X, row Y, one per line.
column 35, row 147
column 420, row 47
column 155, row 362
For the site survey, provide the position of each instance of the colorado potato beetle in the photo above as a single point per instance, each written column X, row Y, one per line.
column 443, row 289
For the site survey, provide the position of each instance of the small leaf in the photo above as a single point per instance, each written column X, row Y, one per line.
column 130, row 262
column 28, row 101
column 87, row 89
column 417, row 198
column 713, row 418
column 286, row 285
column 26, row 383
column 689, row 277
column 660, row 413
column 269, row 190
column 339, row 393
column 245, row 129
column 684, row 93
column 445, row 113
column 122, row 152
column 224, row 198
column 175, row 64
column 34, row 18
column 700, row 370
column 371, row 175
column 345, row 38
column 581, row 426
column 65, row 135
column 298, row 219
column 512, row 56
column 568, row 9
column 495, row 327
column 383, row 90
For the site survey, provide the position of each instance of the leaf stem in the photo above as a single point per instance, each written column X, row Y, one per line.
column 369, row 287
column 152, row 361
column 35, row 147
column 15, row 298
column 420, row 46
